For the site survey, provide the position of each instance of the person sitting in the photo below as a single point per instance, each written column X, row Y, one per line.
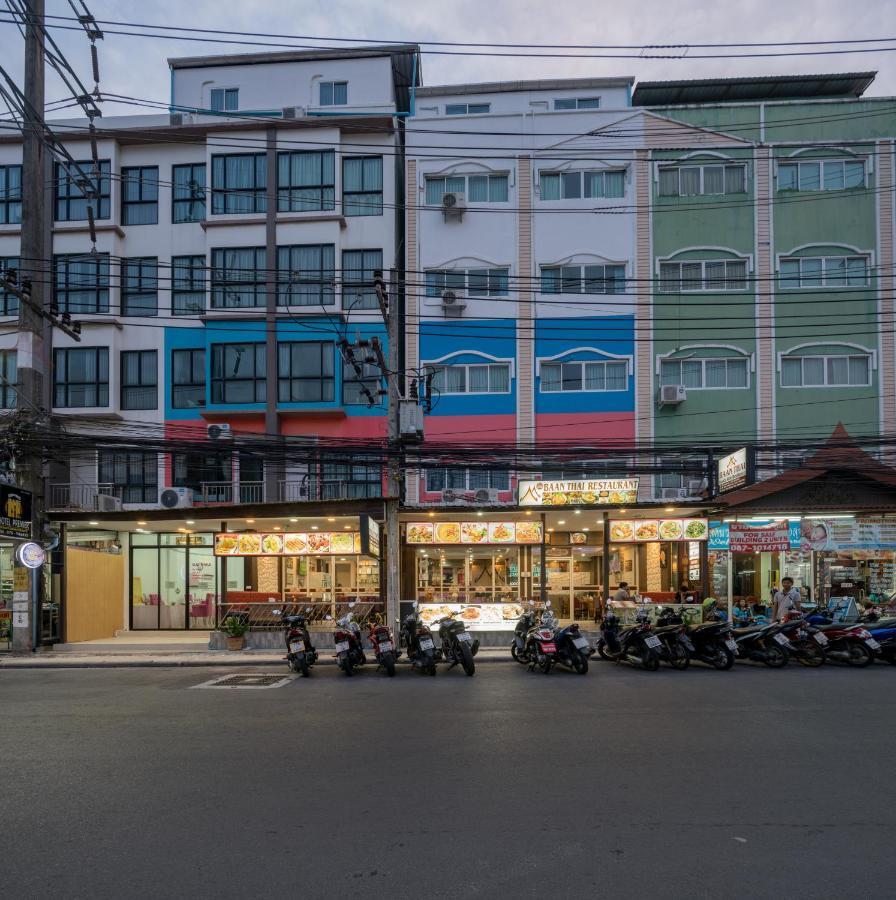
column 685, row 594
column 741, row 613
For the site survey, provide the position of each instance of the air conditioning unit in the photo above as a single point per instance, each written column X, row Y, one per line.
column 293, row 112
column 452, row 305
column 486, row 495
column 181, row 118
column 674, row 493
column 452, row 495
column 453, row 206
column 219, row 432
column 107, row 503
column 696, row 486
column 176, row 497
column 672, row 394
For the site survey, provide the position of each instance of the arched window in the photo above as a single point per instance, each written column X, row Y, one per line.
column 827, row 365
column 706, row 367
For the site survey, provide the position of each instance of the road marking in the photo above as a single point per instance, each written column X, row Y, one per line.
column 251, row 682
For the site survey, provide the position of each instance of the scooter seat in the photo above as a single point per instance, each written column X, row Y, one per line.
column 750, row 629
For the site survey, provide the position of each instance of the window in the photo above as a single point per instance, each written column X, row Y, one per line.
column 81, row 377
column 476, row 282
column 583, row 376
column 476, row 188
column 474, row 378
column 238, row 373
column 357, row 278
column 139, row 379
column 74, row 182
column 140, row 195
column 306, row 181
column 583, row 279
column 10, row 195
column 438, row 480
column 9, row 303
column 193, row 469
column 703, row 275
column 238, row 278
column 139, row 287
column 466, row 109
column 188, row 193
column 82, row 283
column 352, row 481
column 362, row 186
column 187, row 285
column 187, row 379
column 576, row 185
column 353, row 386
column 705, row 374
column 225, row 99
column 824, row 271
column 691, row 181
column 577, row 103
column 333, row 93
column 137, row 474
column 822, row 175
column 853, row 370
column 305, row 372
column 8, row 379
column 239, row 184
column 306, row 275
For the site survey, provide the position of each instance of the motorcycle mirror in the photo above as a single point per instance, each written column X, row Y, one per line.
column 352, row 603
column 275, row 612
column 307, row 609
column 548, row 604
column 328, row 617
column 531, row 603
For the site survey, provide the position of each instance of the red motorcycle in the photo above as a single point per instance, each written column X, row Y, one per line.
column 384, row 649
column 852, row 644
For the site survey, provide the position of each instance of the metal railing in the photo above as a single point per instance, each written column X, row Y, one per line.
column 86, row 497
column 315, row 489
column 269, row 615
column 212, row 492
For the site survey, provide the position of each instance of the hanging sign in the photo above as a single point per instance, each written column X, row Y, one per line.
column 733, row 470
column 600, row 492
column 31, row 555
column 15, row 512
column 370, row 536
column 747, row 538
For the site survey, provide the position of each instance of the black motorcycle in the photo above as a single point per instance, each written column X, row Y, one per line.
column 709, row 642
column 349, row 644
column 458, row 645
column 418, row 640
column 526, row 622
column 300, row 652
column 634, row 644
column 763, row 643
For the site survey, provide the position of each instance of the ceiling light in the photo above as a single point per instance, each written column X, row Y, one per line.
column 141, row 523
column 293, row 520
column 586, row 529
column 528, row 512
column 621, row 510
column 251, row 521
column 331, row 519
column 314, row 527
column 550, row 529
column 431, row 514
column 561, row 521
column 190, row 521
column 578, row 512
column 479, row 513
column 346, row 527
column 93, row 523
column 670, row 509
column 277, row 527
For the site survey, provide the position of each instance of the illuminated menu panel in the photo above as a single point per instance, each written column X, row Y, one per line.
column 289, row 544
column 474, row 532
column 641, row 530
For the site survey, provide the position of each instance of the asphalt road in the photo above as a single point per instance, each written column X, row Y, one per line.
column 748, row 784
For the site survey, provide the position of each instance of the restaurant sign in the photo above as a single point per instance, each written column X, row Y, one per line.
column 313, row 543
column 15, row 512
column 370, row 536
column 474, row 533
column 644, row 530
column 600, row 492
column 733, row 470
column 743, row 537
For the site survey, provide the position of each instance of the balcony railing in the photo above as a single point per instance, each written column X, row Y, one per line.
column 317, row 489
column 214, row 492
column 85, row 497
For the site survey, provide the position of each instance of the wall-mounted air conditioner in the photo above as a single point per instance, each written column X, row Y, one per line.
column 176, row 497
column 452, row 305
column 107, row 503
column 219, row 431
column 486, row 495
column 453, row 206
column 672, row 394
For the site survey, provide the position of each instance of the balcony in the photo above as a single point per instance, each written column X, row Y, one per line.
column 77, row 496
column 298, row 490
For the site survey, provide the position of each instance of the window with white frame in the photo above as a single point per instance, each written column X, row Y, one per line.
column 706, row 374
column 581, row 185
column 333, row 93
column 703, row 275
column 225, row 99
column 439, row 480
column 585, row 375
column 821, row 175
column 476, row 188
column 491, row 282
column 583, row 279
column 470, row 378
column 467, row 109
column 566, row 103
column 703, row 179
column 824, row 271
column 826, row 370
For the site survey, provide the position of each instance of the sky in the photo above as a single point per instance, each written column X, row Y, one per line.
column 136, row 66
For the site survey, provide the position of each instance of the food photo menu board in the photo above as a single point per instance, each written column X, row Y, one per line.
column 474, row 533
column 289, row 544
column 641, row 530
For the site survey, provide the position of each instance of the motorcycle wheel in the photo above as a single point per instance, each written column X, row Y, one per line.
column 580, row 663
column 602, row 650
column 813, row 657
column 302, row 666
column 650, row 661
column 775, row 657
column 466, row 659
column 515, row 653
column 723, row 659
column 546, row 665
column 859, row 655
column 389, row 664
column 429, row 666
column 679, row 658
column 347, row 665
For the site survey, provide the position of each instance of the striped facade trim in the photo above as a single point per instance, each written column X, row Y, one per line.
column 525, row 341
column 764, row 293
column 886, row 284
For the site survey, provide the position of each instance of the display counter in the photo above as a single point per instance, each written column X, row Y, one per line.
column 476, row 616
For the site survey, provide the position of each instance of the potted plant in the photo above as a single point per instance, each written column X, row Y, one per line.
column 235, row 627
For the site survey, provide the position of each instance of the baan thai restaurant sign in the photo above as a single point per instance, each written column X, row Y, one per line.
column 589, row 492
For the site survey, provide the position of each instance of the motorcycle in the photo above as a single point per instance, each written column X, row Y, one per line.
column 458, row 645
column 809, row 644
column 421, row 647
column 849, row 643
column 634, row 644
column 384, row 650
column 675, row 645
column 884, row 632
column 540, row 645
column 300, row 652
column 708, row 642
column 349, row 652
column 524, row 625
column 763, row 643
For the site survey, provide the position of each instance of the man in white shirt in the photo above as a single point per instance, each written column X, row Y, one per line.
column 787, row 599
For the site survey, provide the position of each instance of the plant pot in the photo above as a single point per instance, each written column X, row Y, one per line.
column 236, row 643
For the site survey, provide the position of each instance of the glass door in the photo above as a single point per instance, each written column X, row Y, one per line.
column 172, row 586
column 145, row 588
column 201, row 590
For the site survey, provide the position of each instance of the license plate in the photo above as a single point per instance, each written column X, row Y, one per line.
column 731, row 644
column 385, row 646
column 820, row 639
column 548, row 647
column 426, row 644
column 297, row 647
column 781, row 639
column 873, row 644
column 342, row 647
column 652, row 641
column 580, row 642
column 463, row 636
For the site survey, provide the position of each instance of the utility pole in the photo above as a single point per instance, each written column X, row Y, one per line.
column 31, row 359
column 393, row 463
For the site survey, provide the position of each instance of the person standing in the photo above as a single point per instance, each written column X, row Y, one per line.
column 786, row 600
